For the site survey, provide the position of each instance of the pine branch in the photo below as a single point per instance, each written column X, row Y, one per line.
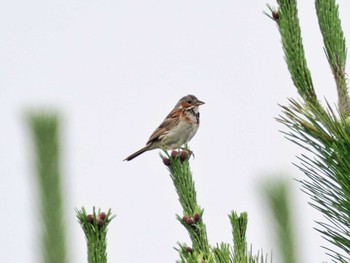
column 287, row 21
column 325, row 134
column 239, row 228
column 277, row 196
column 192, row 213
column 192, row 220
column 222, row 253
column 95, row 229
column 328, row 139
column 45, row 133
column 258, row 258
column 335, row 48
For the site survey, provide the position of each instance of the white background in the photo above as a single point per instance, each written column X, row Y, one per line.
column 114, row 70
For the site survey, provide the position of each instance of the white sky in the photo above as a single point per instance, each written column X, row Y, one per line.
column 114, row 69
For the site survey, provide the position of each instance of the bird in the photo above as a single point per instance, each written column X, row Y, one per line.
column 177, row 129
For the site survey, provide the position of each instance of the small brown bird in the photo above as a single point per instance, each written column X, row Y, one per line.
column 177, row 129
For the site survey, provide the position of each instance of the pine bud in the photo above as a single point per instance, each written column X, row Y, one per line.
column 196, row 217
column 89, row 218
column 166, row 161
column 100, row 222
column 189, row 250
column 102, row 215
column 183, row 156
column 275, row 15
column 189, row 221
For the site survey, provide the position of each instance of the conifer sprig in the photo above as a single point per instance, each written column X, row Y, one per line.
column 239, row 228
column 335, row 48
column 276, row 193
column 45, row 129
column 95, row 227
column 323, row 132
column 192, row 219
column 179, row 168
column 327, row 138
column 287, row 21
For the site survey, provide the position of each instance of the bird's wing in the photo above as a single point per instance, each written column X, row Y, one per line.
column 170, row 122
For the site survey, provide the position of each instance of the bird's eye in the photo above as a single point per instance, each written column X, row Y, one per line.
column 189, row 101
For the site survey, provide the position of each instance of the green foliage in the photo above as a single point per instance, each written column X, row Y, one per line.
column 192, row 220
column 239, row 228
column 333, row 36
column 222, row 253
column 335, row 48
column 192, row 213
column 95, row 229
column 258, row 258
column 287, row 20
column 44, row 128
column 276, row 193
column 328, row 139
column 323, row 132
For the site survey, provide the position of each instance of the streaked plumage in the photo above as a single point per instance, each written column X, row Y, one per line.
column 178, row 127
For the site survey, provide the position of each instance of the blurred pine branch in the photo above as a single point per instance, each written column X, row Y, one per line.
column 276, row 193
column 45, row 133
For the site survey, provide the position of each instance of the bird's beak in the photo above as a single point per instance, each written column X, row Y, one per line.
column 200, row 102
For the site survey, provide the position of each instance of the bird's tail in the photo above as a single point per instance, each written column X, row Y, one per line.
column 141, row 151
